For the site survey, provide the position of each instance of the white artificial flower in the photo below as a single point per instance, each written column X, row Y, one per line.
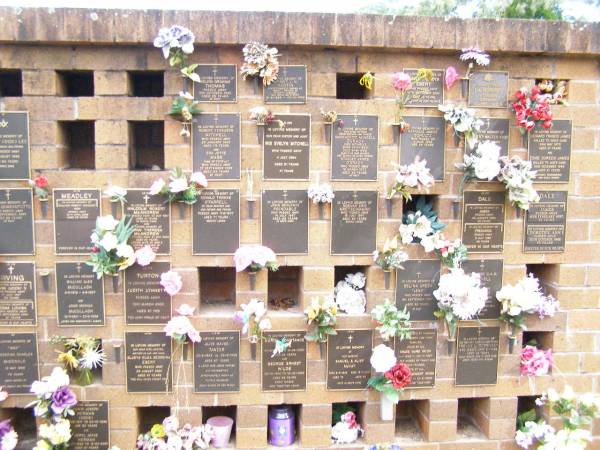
column 461, row 294
column 265, row 324
column 178, row 185
column 407, row 233
column 357, row 280
column 108, row 242
column 9, row 440
column 341, row 433
column 127, row 252
column 422, row 227
column 92, row 358
column 430, row 242
column 115, row 191
column 106, row 223
column 383, row 358
column 157, row 186
column 350, row 300
column 94, row 238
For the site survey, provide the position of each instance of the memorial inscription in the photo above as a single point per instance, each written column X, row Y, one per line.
column 216, row 222
column 415, row 285
column 424, row 139
column 419, row 352
column 218, row 83
column 284, row 371
column 550, row 152
column 148, row 367
column 290, row 87
column 217, row 362
column 16, row 222
column 354, row 148
column 14, row 145
column 426, row 93
column 89, row 426
column 152, row 220
column 477, row 356
column 79, row 295
column 348, row 354
column 216, row 140
column 488, row 89
column 483, row 221
column 18, row 362
column 491, row 271
column 284, row 224
column 17, row 294
column 146, row 302
column 354, row 222
column 75, row 213
column 286, row 150
column 546, row 223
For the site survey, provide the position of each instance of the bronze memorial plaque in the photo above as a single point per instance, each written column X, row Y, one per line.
column 152, row 220
column 18, row 362
column 348, row 359
column 354, row 148
column 148, row 368
column 284, row 371
column 79, row 295
column 477, row 356
column 89, row 426
column 284, row 224
column 290, row 87
column 488, row 89
column 216, row 222
column 491, row 272
column 218, row 83
column 415, row 285
column 550, row 152
column 217, row 362
column 495, row 130
column 17, row 294
column 483, row 221
column 14, row 145
column 354, row 223
column 75, row 213
column 216, row 144
column 546, row 223
column 419, row 352
column 146, row 302
column 286, row 150
column 16, row 222
column 426, row 93
column 424, row 139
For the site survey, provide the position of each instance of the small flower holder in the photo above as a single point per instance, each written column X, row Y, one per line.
column 322, row 349
column 182, row 207
column 386, row 408
column 327, row 131
column 525, row 140
column 511, row 343
column 321, row 207
column 44, row 207
column 464, row 87
column 451, row 345
column 252, row 279
column 389, row 207
column 455, row 208
column 185, row 350
column 114, row 209
column 256, row 85
column 386, row 278
column 253, row 347
column 250, row 201
column 518, row 212
column 260, row 132
column 45, row 274
column 117, row 353
column 115, row 282
column 457, row 139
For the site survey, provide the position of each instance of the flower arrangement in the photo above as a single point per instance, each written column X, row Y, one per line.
column 321, row 317
column 40, row 186
column 321, row 193
column 421, row 226
column 390, row 257
column 532, row 109
column 463, row 121
column 8, row 436
column 517, row 176
column 451, row 253
column 168, row 435
column 171, row 282
column 575, row 413
column 556, row 92
column 331, row 117
column 252, row 317
column 254, row 258
column 459, row 296
column 180, row 329
column 483, row 163
column 414, row 175
column 55, row 399
column 346, row 430
column 525, row 297
column 260, row 61
column 391, row 378
column 183, row 109
column 111, row 252
column 391, row 322
column 263, row 116
column 535, row 362
column 54, row 436
column 116, row 194
column 80, row 356
column 179, row 188
column 350, row 295
column 176, row 43
column 474, row 55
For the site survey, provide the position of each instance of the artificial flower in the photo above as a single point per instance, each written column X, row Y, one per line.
column 145, row 255
column 171, row 282
column 185, row 310
column 383, row 358
column 451, row 77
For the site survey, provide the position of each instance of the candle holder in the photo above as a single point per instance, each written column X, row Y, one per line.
column 250, row 202
column 45, row 274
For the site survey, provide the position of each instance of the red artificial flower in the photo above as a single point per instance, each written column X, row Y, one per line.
column 41, row 181
column 547, row 124
column 400, row 375
column 521, row 94
column 95, row 249
column 340, row 124
column 535, row 91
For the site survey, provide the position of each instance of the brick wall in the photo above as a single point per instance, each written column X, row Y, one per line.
column 42, row 42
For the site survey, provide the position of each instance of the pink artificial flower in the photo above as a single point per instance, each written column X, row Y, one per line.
column 401, row 81
column 535, row 362
column 157, row 186
column 180, row 327
column 350, row 419
column 451, row 77
column 253, row 254
column 145, row 255
column 199, row 179
column 171, row 282
column 185, row 310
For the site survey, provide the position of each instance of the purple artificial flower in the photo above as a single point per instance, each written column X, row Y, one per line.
column 62, row 399
column 5, row 427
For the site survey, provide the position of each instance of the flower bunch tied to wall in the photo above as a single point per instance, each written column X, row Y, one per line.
column 389, row 258
column 260, row 62
column 253, row 259
column 180, row 189
column 80, row 356
column 253, row 318
column 524, row 298
column 390, row 380
column 350, row 295
column 532, row 109
column 321, row 317
column 459, row 296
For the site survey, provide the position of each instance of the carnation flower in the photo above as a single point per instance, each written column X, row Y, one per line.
column 535, row 362
column 178, row 185
column 451, row 77
column 254, row 257
column 399, row 375
column 171, row 282
column 401, row 81
column 145, row 255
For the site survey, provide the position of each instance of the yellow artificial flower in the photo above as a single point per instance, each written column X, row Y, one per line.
column 424, row 74
column 367, row 80
column 69, row 360
column 311, row 313
column 157, row 431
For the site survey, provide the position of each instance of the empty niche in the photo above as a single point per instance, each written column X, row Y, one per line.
column 146, row 83
column 410, row 418
column 347, row 87
column 278, row 425
column 339, row 409
column 284, row 291
column 226, row 411
column 23, row 422
column 11, row 83
column 147, row 416
column 146, row 145
column 77, row 139
column 75, row 83
column 470, row 417
column 217, row 288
